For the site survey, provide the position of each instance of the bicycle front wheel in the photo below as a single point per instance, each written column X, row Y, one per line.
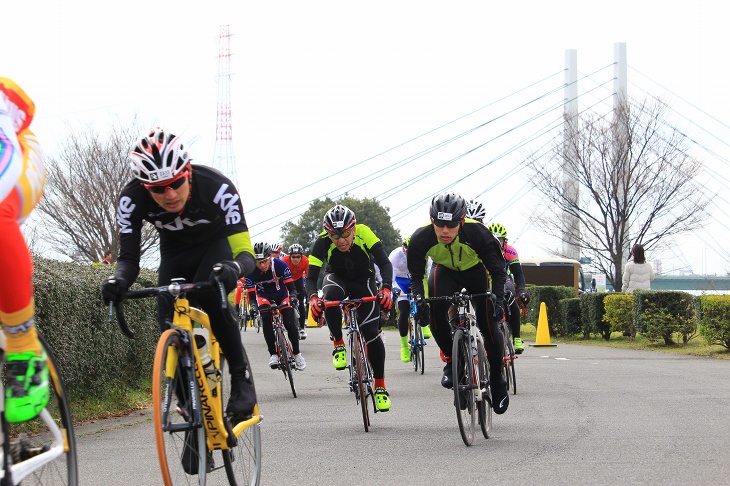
column 484, row 401
column 419, row 355
column 359, row 377
column 463, row 375
column 55, row 439
column 181, row 445
column 242, row 462
column 285, row 359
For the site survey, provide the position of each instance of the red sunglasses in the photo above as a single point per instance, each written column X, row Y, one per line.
column 174, row 183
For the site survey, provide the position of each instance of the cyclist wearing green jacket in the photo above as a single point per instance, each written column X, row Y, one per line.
column 349, row 249
column 465, row 254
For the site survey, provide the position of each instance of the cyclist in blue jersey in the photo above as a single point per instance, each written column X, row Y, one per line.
column 403, row 280
column 272, row 283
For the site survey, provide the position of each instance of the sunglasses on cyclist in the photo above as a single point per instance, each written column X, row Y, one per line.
column 295, row 256
column 262, row 261
column 336, row 237
column 449, row 224
column 174, row 183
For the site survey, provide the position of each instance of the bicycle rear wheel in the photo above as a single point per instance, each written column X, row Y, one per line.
column 359, row 377
column 463, row 376
column 285, row 359
column 484, row 405
column 55, row 436
column 242, row 462
column 181, row 445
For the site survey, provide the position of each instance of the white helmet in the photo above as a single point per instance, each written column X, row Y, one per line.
column 158, row 156
column 475, row 210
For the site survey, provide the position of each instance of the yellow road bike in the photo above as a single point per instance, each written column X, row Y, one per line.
column 189, row 399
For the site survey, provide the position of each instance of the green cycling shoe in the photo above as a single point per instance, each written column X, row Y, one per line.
column 426, row 332
column 519, row 345
column 382, row 399
column 339, row 357
column 27, row 391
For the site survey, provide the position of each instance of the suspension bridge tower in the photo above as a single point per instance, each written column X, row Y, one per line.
column 223, row 158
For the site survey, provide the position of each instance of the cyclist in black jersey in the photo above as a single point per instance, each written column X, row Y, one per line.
column 465, row 254
column 198, row 213
column 349, row 250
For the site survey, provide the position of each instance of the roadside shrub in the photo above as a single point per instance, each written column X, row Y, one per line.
column 592, row 311
column 714, row 319
column 661, row 314
column 619, row 315
column 551, row 296
column 92, row 353
column 570, row 314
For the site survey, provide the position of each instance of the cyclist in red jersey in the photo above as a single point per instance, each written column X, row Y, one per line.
column 298, row 264
column 22, row 178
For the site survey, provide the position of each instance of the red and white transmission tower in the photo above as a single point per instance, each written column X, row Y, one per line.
column 223, row 158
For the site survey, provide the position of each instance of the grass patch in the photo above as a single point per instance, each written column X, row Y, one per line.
column 695, row 347
column 115, row 402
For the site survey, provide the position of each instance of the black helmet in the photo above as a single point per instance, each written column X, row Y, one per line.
column 475, row 210
column 338, row 220
column 296, row 249
column 261, row 251
column 448, row 207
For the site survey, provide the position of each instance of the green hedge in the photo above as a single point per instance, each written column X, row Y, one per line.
column 619, row 313
column 661, row 314
column 552, row 297
column 592, row 310
column 714, row 319
column 92, row 353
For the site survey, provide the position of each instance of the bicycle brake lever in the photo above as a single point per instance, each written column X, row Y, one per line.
column 221, row 288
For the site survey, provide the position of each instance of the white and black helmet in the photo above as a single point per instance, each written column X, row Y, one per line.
column 475, row 210
column 338, row 220
column 158, row 156
column 261, row 251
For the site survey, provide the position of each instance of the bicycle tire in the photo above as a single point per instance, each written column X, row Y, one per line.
column 462, row 373
column 181, row 446
column 63, row 469
column 285, row 358
column 511, row 364
column 420, row 354
column 484, row 406
column 508, row 358
column 412, row 343
column 360, row 368
column 257, row 322
column 242, row 462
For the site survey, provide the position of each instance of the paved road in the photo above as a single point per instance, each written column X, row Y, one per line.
column 582, row 415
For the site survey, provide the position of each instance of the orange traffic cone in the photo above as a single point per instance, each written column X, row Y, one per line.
column 543, row 330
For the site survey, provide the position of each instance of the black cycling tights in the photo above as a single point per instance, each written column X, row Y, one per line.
column 195, row 264
column 335, row 287
column 444, row 281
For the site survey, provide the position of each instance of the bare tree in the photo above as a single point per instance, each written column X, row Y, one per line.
column 80, row 199
column 636, row 184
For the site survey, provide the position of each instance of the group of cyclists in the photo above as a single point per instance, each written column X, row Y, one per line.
column 198, row 214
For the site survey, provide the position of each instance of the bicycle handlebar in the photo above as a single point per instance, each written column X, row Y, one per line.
column 176, row 288
column 347, row 300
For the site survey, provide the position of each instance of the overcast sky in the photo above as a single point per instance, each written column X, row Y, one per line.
column 320, row 87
